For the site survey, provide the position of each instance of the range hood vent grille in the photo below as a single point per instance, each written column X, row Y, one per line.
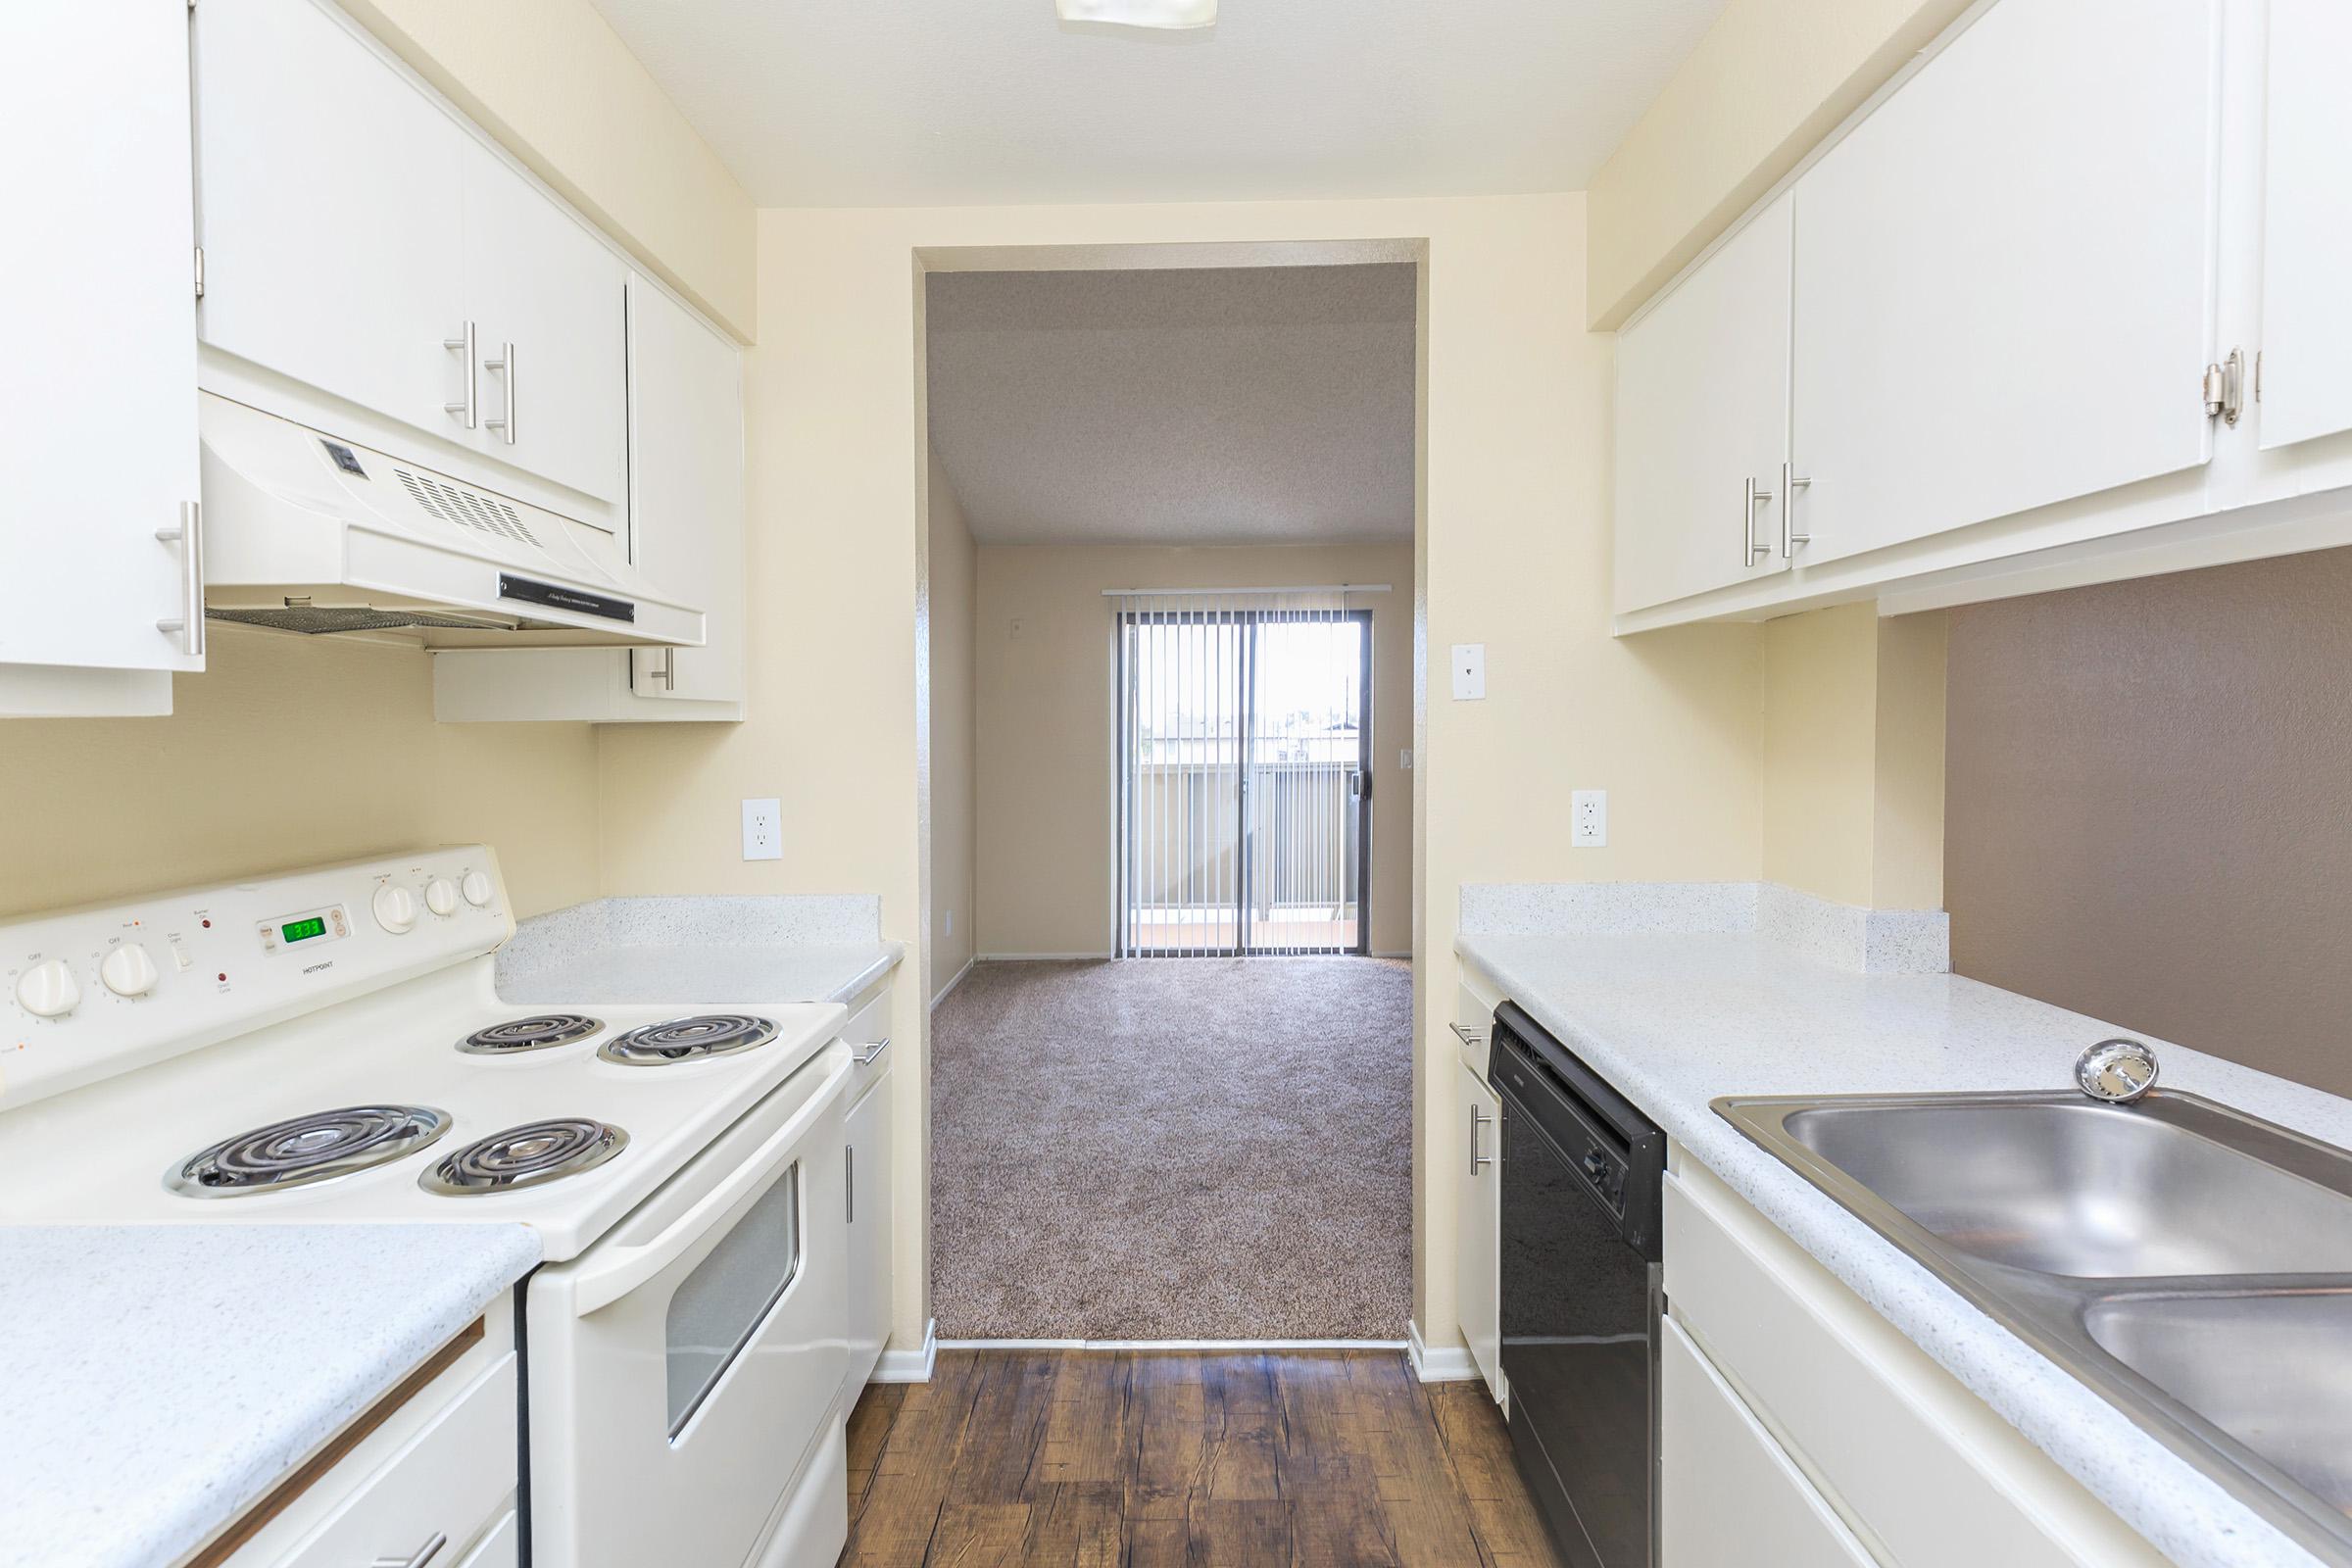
column 467, row 509
column 323, row 620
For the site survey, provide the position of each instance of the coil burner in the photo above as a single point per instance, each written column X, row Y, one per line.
column 527, row 1155
column 317, row 1148
column 717, row 1034
column 517, row 1035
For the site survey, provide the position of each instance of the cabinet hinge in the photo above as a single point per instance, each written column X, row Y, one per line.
column 2226, row 388
column 200, row 272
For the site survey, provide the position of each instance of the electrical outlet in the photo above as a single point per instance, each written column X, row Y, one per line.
column 951, row 922
column 763, row 829
column 1404, row 759
column 1469, row 671
column 1589, row 818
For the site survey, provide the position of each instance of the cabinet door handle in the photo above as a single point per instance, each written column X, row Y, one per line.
column 1477, row 1119
column 188, row 624
column 1753, row 549
column 1790, row 483
column 505, row 365
column 666, row 672
column 865, row 1058
column 1473, row 1038
column 848, row 1183
column 469, row 412
column 417, row 1558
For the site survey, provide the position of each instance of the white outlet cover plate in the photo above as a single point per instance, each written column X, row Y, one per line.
column 763, row 829
column 1469, row 664
column 1589, row 818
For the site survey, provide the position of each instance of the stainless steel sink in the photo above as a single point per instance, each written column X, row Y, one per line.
column 2190, row 1264
column 2065, row 1185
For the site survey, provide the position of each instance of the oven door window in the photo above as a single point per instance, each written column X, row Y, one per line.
column 718, row 1307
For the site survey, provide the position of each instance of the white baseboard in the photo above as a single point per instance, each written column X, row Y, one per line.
column 1172, row 1345
column 1034, row 958
column 960, row 975
column 910, row 1366
column 1447, row 1363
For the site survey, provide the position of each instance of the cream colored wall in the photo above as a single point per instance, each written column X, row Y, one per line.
column 951, row 590
column 289, row 752
column 1045, row 725
column 1854, row 756
column 1767, row 81
column 1515, row 550
column 551, row 80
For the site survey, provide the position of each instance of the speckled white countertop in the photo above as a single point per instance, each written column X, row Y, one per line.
column 1674, row 1020
column 160, row 1380
column 692, row 949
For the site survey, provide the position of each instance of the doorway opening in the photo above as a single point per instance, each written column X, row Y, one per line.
column 1244, row 758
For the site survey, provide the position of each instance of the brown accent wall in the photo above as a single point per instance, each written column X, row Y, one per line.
column 2148, row 809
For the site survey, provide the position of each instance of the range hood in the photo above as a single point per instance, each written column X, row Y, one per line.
column 307, row 532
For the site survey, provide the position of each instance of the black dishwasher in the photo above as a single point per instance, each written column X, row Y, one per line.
column 1580, row 1275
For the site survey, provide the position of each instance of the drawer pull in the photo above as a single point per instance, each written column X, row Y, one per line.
column 417, row 1559
column 865, row 1058
column 1472, row 1038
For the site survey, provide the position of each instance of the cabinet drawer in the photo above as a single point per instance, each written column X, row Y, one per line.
column 1725, row 1492
column 867, row 1034
column 447, row 1479
column 500, row 1548
column 1473, row 1022
column 1928, row 1474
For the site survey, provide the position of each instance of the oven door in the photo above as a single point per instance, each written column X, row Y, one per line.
column 683, row 1369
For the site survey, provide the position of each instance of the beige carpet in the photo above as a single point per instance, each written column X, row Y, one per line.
column 1173, row 1149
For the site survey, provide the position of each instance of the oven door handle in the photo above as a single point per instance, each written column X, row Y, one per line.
column 617, row 1270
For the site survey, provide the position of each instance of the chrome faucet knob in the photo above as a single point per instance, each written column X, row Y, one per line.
column 2117, row 1071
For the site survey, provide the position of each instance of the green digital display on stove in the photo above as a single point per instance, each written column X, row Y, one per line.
column 302, row 930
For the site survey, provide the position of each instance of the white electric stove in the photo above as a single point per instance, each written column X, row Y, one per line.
column 328, row 1045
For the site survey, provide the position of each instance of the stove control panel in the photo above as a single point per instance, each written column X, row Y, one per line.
column 86, row 994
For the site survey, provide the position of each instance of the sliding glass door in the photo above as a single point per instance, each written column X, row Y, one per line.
column 1243, row 756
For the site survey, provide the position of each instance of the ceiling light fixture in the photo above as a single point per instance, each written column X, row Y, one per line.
column 1141, row 13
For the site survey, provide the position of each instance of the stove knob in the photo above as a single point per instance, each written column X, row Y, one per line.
column 128, row 971
column 48, row 989
column 476, row 888
column 441, row 896
column 395, row 908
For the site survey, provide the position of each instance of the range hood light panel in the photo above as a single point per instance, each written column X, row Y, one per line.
column 1141, row 13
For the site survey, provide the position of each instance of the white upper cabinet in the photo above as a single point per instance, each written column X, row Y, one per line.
column 1703, row 423
column 98, row 387
column 2307, row 225
column 2004, row 276
column 330, row 199
column 547, row 300
column 363, row 244
column 686, row 496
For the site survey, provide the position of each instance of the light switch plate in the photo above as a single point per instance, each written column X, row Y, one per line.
column 1469, row 671
column 1588, row 819
column 763, row 829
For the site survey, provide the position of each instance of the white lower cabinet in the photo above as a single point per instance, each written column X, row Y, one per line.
column 444, row 1465
column 1477, row 1222
column 867, row 1207
column 868, row 1162
column 1765, row 1348
column 1727, row 1493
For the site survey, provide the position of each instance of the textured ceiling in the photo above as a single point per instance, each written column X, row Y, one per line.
column 877, row 103
column 1263, row 405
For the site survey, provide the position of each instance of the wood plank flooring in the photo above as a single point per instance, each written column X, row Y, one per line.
column 1102, row 1460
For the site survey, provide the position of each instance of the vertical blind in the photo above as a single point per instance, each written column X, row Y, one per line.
column 1242, row 743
